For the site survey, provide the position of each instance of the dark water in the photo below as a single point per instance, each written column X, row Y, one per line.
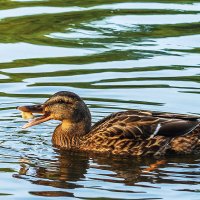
column 115, row 54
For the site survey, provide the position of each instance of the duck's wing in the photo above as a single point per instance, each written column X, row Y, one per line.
column 176, row 124
column 140, row 125
column 175, row 116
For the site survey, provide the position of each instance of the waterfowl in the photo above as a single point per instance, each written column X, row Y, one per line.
column 132, row 132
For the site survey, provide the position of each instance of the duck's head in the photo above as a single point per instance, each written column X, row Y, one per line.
column 64, row 106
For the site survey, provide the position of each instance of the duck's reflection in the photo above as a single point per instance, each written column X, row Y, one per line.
column 69, row 171
column 68, row 166
column 62, row 172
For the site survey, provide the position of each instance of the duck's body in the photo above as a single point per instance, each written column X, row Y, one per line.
column 133, row 132
column 137, row 132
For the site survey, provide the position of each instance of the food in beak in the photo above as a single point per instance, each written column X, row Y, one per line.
column 27, row 115
column 37, row 120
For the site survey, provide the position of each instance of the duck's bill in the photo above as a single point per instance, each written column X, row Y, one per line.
column 34, row 109
column 37, row 120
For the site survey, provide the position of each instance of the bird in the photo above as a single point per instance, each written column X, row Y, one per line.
column 130, row 133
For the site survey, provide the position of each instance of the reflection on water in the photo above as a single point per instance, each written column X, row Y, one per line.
column 75, row 174
column 117, row 55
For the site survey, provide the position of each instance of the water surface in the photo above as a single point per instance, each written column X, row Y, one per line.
column 115, row 54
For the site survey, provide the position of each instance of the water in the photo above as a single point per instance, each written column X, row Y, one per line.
column 115, row 54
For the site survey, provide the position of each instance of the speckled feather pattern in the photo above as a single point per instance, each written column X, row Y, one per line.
column 129, row 133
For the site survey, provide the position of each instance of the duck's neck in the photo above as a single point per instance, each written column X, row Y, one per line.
column 69, row 134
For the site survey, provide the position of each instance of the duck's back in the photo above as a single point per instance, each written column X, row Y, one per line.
column 137, row 132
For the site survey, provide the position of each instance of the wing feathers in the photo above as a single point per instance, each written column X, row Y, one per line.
column 173, row 128
column 139, row 125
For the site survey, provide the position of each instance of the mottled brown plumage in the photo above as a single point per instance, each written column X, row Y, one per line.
column 133, row 132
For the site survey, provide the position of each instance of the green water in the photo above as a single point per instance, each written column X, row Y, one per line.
column 115, row 54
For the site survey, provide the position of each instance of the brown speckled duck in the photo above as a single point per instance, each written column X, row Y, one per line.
column 133, row 132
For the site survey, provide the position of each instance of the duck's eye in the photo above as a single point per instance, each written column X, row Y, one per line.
column 61, row 101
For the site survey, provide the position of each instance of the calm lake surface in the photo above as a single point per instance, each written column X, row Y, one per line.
column 117, row 55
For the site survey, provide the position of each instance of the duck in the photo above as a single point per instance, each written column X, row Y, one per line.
column 132, row 132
